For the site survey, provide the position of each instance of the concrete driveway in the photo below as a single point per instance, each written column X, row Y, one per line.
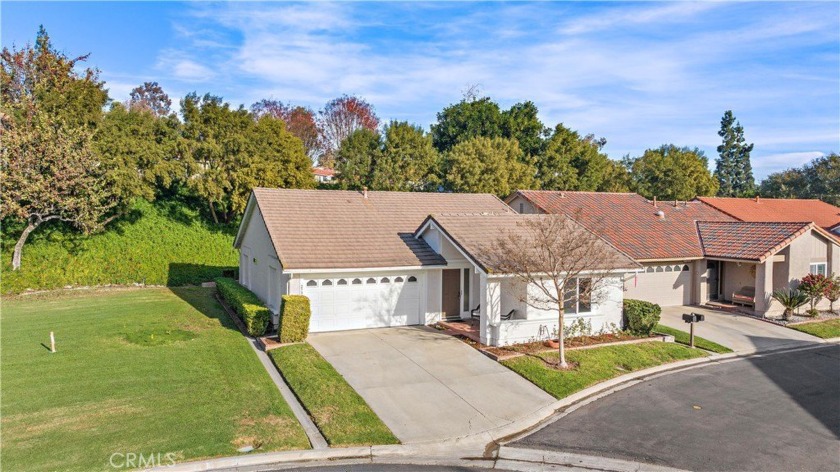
column 740, row 333
column 426, row 385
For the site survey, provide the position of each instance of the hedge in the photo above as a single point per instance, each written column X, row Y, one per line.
column 294, row 319
column 641, row 316
column 249, row 307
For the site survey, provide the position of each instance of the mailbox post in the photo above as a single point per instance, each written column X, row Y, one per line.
column 692, row 318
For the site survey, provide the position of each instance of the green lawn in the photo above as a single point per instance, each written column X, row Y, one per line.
column 822, row 329
column 137, row 371
column 682, row 337
column 339, row 412
column 596, row 365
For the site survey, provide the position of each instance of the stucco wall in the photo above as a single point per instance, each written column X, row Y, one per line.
column 254, row 270
column 606, row 311
column 735, row 277
column 521, row 205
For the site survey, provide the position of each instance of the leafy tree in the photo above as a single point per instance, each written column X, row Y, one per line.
column 472, row 118
column 230, row 153
column 573, row 162
column 733, row 169
column 47, row 113
column 300, row 121
column 41, row 79
column 50, row 172
column 357, row 159
column 408, row 161
column 789, row 183
column 672, row 173
column 141, row 151
column 150, row 97
column 487, row 165
column 819, row 178
column 521, row 123
column 339, row 119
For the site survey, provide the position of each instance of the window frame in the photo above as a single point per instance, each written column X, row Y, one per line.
column 576, row 301
column 814, row 268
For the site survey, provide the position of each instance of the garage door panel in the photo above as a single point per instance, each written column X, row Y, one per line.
column 664, row 284
column 363, row 302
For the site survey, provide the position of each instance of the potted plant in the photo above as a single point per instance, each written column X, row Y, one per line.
column 791, row 299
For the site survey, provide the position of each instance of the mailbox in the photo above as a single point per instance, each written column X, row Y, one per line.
column 693, row 317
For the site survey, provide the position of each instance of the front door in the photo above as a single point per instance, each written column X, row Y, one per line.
column 714, row 279
column 451, row 294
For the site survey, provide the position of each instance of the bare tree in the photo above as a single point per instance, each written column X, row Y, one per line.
column 151, row 97
column 558, row 261
column 339, row 119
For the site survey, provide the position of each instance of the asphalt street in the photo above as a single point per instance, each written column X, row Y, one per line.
column 779, row 412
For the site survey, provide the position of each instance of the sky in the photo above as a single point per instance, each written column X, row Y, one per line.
column 638, row 74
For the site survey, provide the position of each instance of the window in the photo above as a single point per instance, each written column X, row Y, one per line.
column 371, row 280
column 521, row 207
column 326, row 282
column 685, row 268
column 412, row 279
column 649, row 269
column 659, row 269
column 820, row 268
column 669, row 269
column 578, row 296
column 357, row 282
column 385, row 280
column 466, row 285
column 311, row 283
column 341, row 282
column 399, row 279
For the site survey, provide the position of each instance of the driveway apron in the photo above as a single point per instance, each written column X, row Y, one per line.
column 426, row 385
column 740, row 333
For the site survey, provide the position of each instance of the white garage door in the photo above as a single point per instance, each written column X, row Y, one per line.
column 664, row 284
column 370, row 301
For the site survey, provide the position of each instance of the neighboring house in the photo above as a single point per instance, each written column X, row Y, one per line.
column 692, row 252
column 378, row 259
column 323, row 174
column 790, row 210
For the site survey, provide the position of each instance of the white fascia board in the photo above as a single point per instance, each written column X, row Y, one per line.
column 362, row 269
column 246, row 218
column 457, row 246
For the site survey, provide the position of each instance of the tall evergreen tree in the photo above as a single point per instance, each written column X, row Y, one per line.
column 733, row 169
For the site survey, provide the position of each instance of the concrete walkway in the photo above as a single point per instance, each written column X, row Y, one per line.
column 740, row 333
column 427, row 386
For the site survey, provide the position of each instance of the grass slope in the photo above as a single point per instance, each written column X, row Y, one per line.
column 683, row 337
column 339, row 412
column 596, row 365
column 165, row 243
column 136, row 370
column 821, row 329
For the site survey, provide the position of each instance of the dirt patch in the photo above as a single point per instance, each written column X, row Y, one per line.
column 264, row 432
column 536, row 347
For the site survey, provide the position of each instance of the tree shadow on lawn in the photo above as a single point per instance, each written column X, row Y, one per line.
column 202, row 299
column 183, row 273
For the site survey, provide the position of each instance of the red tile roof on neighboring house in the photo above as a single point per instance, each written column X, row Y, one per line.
column 631, row 223
column 337, row 229
column 323, row 171
column 822, row 214
column 753, row 241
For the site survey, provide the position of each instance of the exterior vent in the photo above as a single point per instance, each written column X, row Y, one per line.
column 660, row 214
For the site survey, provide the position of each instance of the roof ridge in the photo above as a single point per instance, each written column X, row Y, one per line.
column 579, row 191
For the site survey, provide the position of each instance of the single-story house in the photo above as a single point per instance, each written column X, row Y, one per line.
column 323, row 175
column 694, row 253
column 380, row 259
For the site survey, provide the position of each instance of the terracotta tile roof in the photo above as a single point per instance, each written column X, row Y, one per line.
column 473, row 232
column 323, row 171
column 630, row 221
column 326, row 229
column 754, row 241
column 794, row 210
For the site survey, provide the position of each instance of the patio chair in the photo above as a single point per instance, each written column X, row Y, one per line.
column 476, row 312
column 509, row 315
column 745, row 296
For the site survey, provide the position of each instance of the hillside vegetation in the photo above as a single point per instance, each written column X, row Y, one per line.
column 165, row 243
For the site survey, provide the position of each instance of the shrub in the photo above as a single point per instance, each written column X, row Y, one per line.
column 641, row 316
column 294, row 319
column 249, row 307
column 814, row 286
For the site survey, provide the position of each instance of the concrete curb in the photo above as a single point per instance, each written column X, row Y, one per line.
column 534, row 459
column 487, row 445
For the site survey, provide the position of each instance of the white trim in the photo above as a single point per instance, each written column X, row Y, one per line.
column 246, row 218
column 443, row 232
column 362, row 269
